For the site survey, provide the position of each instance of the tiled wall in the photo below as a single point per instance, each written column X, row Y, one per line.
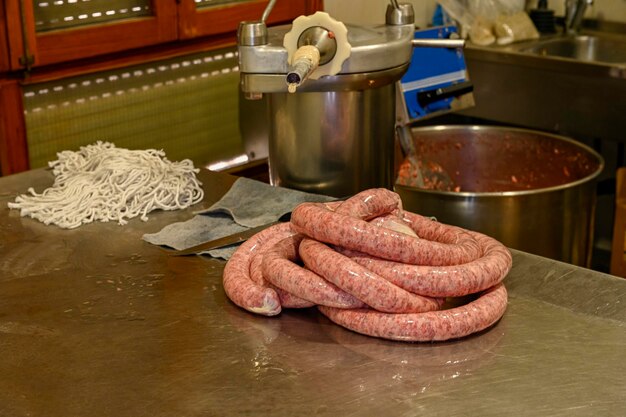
column 187, row 106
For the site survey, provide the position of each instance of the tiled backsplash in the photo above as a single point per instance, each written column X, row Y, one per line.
column 187, row 106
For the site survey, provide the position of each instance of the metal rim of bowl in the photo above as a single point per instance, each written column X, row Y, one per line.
column 572, row 184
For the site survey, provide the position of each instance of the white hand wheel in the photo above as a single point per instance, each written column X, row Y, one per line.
column 336, row 30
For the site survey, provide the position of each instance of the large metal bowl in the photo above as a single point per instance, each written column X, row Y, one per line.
column 531, row 190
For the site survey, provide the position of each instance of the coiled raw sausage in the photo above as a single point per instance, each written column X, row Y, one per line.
column 365, row 285
column 238, row 284
column 431, row 326
column 386, row 274
column 440, row 245
column 287, row 299
column 279, row 268
column 445, row 281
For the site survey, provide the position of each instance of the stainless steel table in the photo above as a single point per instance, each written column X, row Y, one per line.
column 96, row 322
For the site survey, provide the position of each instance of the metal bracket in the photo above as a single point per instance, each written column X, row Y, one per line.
column 27, row 59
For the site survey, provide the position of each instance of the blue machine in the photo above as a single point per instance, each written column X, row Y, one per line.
column 436, row 81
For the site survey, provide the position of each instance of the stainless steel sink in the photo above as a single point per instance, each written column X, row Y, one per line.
column 569, row 84
column 582, row 48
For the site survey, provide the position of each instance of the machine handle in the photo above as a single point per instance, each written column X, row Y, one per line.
column 268, row 10
column 438, row 43
column 424, row 98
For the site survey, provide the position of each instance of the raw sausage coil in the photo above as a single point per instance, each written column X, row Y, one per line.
column 430, row 326
column 445, row 281
column 257, row 297
column 439, row 244
column 280, row 269
column 373, row 268
column 357, row 280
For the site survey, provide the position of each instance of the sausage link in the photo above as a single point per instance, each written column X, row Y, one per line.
column 430, row 229
column 371, row 203
column 256, row 274
column 445, row 281
column 452, row 246
column 237, row 282
column 430, row 326
column 287, row 300
column 358, row 281
column 279, row 268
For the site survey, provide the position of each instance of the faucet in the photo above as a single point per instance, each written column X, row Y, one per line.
column 574, row 12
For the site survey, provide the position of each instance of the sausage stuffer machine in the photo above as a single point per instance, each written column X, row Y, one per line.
column 331, row 96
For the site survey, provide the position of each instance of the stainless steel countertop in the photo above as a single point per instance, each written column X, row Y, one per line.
column 513, row 54
column 96, row 322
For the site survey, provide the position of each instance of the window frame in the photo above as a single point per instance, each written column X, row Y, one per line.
column 88, row 41
column 224, row 18
column 173, row 20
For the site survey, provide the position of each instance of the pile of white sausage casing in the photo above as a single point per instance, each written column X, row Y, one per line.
column 373, row 268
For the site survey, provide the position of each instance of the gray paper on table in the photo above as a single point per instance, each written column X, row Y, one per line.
column 247, row 204
column 199, row 229
column 252, row 203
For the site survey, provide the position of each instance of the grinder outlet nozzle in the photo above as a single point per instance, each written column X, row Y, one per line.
column 305, row 60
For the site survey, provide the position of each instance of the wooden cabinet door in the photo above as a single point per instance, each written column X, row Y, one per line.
column 4, row 48
column 212, row 17
column 54, row 31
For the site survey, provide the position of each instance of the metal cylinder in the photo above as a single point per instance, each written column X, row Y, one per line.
column 399, row 14
column 533, row 191
column 332, row 142
column 335, row 134
column 252, row 33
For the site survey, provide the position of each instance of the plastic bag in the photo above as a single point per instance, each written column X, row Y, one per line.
column 478, row 28
column 490, row 21
column 485, row 13
column 514, row 27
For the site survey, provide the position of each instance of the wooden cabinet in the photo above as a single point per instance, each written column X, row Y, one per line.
column 32, row 38
column 13, row 148
column 42, row 40
column 34, row 41
column 45, row 32
column 4, row 44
